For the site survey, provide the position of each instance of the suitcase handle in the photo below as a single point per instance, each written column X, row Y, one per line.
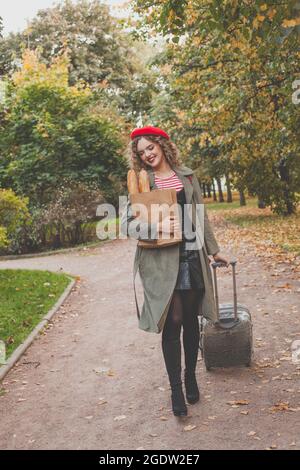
column 219, row 264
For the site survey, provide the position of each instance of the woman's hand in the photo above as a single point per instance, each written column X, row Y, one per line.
column 219, row 258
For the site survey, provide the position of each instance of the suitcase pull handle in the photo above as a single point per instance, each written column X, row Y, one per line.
column 219, row 264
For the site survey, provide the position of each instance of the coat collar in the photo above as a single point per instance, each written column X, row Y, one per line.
column 182, row 173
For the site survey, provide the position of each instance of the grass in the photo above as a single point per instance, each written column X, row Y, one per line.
column 282, row 232
column 216, row 206
column 25, row 298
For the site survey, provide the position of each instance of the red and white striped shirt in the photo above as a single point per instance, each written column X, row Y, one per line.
column 170, row 182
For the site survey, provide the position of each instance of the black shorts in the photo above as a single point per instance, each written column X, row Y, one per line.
column 190, row 272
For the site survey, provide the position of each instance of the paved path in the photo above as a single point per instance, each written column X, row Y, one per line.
column 95, row 381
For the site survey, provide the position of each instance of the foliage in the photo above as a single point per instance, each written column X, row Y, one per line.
column 75, row 204
column 51, row 130
column 14, row 216
column 101, row 53
column 229, row 69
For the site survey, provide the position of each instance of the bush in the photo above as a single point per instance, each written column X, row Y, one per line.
column 62, row 221
column 14, row 217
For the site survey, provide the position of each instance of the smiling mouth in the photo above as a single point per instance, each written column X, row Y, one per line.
column 151, row 159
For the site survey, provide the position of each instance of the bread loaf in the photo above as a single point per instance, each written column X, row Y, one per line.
column 132, row 182
column 144, row 183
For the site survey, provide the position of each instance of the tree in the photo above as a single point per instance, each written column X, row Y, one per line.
column 101, row 53
column 52, row 131
column 231, row 69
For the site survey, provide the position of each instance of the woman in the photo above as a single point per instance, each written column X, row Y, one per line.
column 177, row 281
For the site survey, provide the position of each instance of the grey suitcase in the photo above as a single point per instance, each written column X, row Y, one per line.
column 229, row 342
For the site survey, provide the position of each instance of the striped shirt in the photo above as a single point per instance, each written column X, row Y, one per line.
column 170, row 182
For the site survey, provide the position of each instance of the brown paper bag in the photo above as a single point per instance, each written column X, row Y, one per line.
column 153, row 206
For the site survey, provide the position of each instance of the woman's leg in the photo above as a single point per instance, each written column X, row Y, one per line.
column 171, row 347
column 191, row 336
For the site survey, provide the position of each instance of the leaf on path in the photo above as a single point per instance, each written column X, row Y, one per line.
column 244, row 412
column 190, row 427
column 251, row 433
column 238, row 402
column 102, row 370
column 102, row 402
column 280, row 406
column 119, row 418
column 163, row 418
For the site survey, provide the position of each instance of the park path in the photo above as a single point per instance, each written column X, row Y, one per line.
column 93, row 380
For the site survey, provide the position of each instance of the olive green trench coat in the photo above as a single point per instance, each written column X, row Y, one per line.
column 158, row 267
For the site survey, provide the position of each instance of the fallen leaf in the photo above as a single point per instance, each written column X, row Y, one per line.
column 190, row 427
column 281, row 406
column 119, row 418
column 101, row 370
column 238, row 402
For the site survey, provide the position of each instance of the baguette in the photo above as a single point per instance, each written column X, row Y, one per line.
column 132, row 182
column 144, row 183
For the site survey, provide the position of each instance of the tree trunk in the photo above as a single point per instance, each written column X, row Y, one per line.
column 214, row 190
column 209, row 190
column 242, row 198
column 261, row 203
column 221, row 197
column 228, row 186
column 203, row 190
column 288, row 195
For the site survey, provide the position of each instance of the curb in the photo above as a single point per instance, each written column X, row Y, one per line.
column 53, row 252
column 23, row 346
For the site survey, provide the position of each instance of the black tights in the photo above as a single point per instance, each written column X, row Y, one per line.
column 182, row 312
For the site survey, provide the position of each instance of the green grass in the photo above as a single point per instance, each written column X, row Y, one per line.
column 212, row 205
column 25, row 298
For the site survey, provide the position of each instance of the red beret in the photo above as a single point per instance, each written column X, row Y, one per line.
column 148, row 130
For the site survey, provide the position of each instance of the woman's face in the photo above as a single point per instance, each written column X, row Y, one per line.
column 150, row 153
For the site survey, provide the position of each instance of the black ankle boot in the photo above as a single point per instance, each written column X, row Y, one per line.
column 172, row 355
column 178, row 402
column 191, row 387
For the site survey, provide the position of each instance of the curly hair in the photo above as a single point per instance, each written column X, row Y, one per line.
column 169, row 149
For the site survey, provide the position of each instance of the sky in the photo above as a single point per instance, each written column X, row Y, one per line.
column 15, row 13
